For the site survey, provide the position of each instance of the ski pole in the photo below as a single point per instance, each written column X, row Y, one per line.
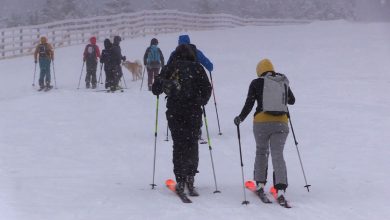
column 54, row 74
column 142, row 81
column 123, row 76
column 210, row 149
column 215, row 102
column 82, row 68
column 245, row 202
column 167, row 133
column 299, row 155
column 35, row 71
column 167, row 139
column 100, row 75
column 155, row 144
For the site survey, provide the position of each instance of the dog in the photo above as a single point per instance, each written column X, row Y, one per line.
column 135, row 68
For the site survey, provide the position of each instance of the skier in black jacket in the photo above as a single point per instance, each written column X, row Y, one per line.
column 117, row 60
column 188, row 89
column 109, row 66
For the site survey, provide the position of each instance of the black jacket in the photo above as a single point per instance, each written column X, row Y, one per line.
column 117, row 54
column 255, row 93
column 189, row 70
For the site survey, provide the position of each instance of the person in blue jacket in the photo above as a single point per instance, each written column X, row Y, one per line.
column 200, row 57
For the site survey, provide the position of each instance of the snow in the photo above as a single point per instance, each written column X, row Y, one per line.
column 73, row 154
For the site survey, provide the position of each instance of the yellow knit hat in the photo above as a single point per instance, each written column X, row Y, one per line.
column 263, row 66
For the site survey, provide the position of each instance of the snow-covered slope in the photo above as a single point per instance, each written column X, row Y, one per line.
column 73, row 154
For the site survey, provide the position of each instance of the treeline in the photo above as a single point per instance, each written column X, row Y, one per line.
column 55, row 10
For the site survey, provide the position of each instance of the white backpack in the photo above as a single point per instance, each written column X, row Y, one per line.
column 275, row 93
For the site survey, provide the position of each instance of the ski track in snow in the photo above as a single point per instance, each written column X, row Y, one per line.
column 71, row 154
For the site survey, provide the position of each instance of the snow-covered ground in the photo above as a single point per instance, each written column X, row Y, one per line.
column 73, row 154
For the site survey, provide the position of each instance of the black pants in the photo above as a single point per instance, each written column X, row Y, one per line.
column 185, row 132
column 118, row 74
column 91, row 72
column 110, row 77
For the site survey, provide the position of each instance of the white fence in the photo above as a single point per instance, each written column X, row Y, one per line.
column 21, row 41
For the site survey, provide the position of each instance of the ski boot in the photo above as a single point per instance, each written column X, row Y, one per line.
column 190, row 185
column 180, row 187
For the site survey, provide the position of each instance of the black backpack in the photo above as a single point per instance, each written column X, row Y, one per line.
column 180, row 83
column 42, row 50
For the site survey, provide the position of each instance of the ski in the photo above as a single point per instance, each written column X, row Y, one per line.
column 40, row 89
column 252, row 187
column 171, row 185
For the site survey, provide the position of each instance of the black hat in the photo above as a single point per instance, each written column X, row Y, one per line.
column 154, row 41
column 117, row 39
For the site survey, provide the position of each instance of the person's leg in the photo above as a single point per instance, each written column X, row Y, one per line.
column 150, row 78
column 175, row 126
column 277, row 141
column 48, row 75
column 88, row 75
column 261, row 134
column 93, row 74
column 42, row 73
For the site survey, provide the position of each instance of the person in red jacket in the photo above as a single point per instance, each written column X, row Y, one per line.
column 91, row 55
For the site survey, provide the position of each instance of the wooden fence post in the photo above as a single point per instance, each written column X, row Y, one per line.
column 21, row 41
column 2, row 44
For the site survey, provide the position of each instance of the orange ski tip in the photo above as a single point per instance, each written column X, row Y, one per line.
column 169, row 182
column 249, row 184
column 273, row 192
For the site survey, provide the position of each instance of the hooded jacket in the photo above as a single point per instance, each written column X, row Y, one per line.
column 255, row 93
column 200, row 57
column 106, row 57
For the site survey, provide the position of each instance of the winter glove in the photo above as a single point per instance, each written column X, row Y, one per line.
column 35, row 61
column 124, row 58
column 237, row 120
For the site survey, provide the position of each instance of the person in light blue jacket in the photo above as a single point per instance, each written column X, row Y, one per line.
column 201, row 58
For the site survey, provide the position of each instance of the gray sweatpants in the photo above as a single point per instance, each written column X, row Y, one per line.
column 270, row 136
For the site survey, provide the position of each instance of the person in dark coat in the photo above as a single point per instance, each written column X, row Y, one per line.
column 270, row 130
column 153, row 60
column 188, row 89
column 90, row 56
column 117, row 60
column 109, row 66
column 200, row 57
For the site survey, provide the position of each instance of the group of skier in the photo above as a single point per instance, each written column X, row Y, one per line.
column 111, row 57
column 188, row 89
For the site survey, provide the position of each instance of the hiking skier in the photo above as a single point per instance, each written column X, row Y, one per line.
column 270, row 125
column 109, row 66
column 153, row 60
column 117, row 59
column 44, row 51
column 188, row 88
column 90, row 56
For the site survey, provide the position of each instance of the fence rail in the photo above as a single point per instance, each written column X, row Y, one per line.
column 20, row 41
